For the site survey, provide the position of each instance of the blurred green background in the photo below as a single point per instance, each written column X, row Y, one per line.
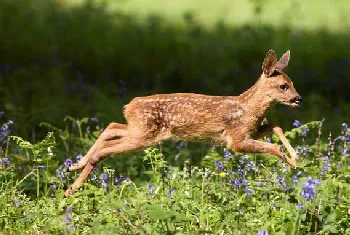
column 88, row 58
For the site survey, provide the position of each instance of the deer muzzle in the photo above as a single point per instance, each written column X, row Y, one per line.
column 296, row 100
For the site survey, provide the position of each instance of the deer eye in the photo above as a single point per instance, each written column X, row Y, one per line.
column 284, row 87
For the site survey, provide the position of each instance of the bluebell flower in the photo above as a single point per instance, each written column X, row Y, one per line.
column 4, row 133
column 262, row 232
column 219, row 165
column 16, row 203
column 53, row 186
column 180, row 145
column 273, row 206
column 94, row 119
column 250, row 165
column 69, row 209
column 304, row 131
column 297, row 123
column 119, row 180
column 241, row 172
column 68, row 162
column 300, row 205
column 41, row 167
column 59, row 172
column 249, row 192
column 269, row 140
column 6, row 161
column 170, row 193
column 244, row 182
column 104, row 177
column 309, row 188
column 227, row 154
column 79, row 157
column 151, row 189
column 259, row 184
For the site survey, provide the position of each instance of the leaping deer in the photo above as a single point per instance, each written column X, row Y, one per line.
column 234, row 121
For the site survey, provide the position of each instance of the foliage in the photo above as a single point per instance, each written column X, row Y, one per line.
column 228, row 193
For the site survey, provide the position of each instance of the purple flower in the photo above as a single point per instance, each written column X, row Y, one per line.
column 227, row 154
column 53, row 186
column 6, row 161
column 104, row 177
column 249, row 192
column 94, row 119
column 297, row 123
column 250, row 165
column 67, row 218
column 259, row 184
column 244, row 182
column 219, row 165
column 235, row 183
column 151, row 189
column 180, row 145
column 118, row 181
column 273, row 206
column 41, row 167
column 304, row 131
column 1, row 113
column 300, row 205
column 170, row 193
column 69, row 209
column 269, row 140
column 262, row 232
column 4, row 132
column 68, row 162
column 309, row 188
column 79, row 157
column 16, row 203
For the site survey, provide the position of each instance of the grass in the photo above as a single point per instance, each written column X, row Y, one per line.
column 305, row 15
column 162, row 191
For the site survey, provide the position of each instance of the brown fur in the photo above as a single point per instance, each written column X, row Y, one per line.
column 234, row 121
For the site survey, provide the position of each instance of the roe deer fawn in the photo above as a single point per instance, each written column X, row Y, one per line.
column 234, row 121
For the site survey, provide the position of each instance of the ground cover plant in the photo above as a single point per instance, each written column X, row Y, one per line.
column 163, row 190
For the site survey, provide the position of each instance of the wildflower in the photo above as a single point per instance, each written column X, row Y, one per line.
column 219, row 165
column 227, row 154
column 304, row 131
column 295, row 177
column 68, row 162
column 241, row 212
column 273, row 206
column 309, row 188
column 151, row 189
column 283, row 183
column 262, row 232
column 250, row 165
column 79, row 157
column 6, row 161
column 170, row 193
column 260, row 184
column 118, row 181
column 300, row 205
column 222, row 174
column 245, row 157
column 1, row 113
column 94, row 119
column 70, row 227
column 4, row 132
column 16, row 203
column 244, row 182
column 241, row 172
column 104, row 177
column 67, row 216
column 53, row 186
column 235, row 183
column 269, row 140
column 41, row 167
column 59, row 172
column 249, row 192
column 297, row 123
column 180, row 145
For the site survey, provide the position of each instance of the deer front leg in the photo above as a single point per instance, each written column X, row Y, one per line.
column 254, row 146
column 271, row 128
column 112, row 130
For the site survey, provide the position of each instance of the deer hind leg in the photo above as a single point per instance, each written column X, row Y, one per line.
column 254, row 146
column 269, row 129
column 110, row 147
column 112, row 130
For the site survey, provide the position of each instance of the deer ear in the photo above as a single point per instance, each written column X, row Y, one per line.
column 269, row 63
column 283, row 62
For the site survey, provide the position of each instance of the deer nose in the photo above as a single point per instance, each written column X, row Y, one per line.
column 298, row 99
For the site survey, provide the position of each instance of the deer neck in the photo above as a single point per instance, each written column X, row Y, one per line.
column 257, row 101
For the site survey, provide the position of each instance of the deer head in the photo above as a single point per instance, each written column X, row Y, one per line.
column 275, row 83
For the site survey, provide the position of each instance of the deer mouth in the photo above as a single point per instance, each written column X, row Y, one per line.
column 296, row 101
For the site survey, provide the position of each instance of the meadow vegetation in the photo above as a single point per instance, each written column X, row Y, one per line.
column 87, row 60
